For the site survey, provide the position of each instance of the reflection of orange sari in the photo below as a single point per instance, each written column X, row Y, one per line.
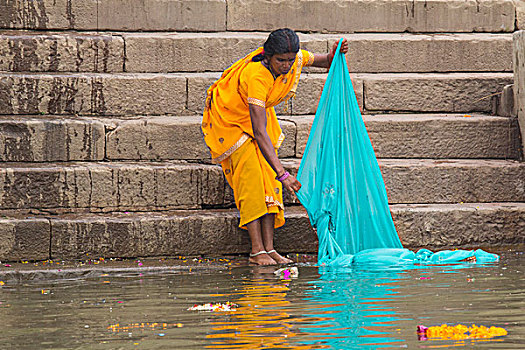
column 227, row 127
column 261, row 321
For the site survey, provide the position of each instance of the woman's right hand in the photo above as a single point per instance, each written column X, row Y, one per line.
column 291, row 184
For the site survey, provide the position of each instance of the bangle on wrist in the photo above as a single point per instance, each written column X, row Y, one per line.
column 282, row 177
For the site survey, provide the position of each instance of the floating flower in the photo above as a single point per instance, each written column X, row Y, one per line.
column 459, row 332
column 116, row 328
column 228, row 306
column 287, row 272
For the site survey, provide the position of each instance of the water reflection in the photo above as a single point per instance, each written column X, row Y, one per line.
column 359, row 316
column 330, row 308
column 339, row 308
column 264, row 318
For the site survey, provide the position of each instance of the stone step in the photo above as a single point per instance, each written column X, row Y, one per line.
column 158, row 138
column 373, row 16
column 215, row 232
column 199, row 52
column 184, row 93
column 393, row 136
column 369, row 53
column 143, row 186
column 22, row 51
column 135, row 15
column 51, row 138
column 252, row 15
column 437, row 136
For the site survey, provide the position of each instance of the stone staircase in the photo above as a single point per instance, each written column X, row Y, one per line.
column 100, row 108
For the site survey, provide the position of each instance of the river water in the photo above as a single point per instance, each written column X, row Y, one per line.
column 343, row 308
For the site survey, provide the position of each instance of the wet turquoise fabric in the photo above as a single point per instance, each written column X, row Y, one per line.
column 343, row 189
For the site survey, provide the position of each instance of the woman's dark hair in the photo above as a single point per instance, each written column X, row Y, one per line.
column 279, row 41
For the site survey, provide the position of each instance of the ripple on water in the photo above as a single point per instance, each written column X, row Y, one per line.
column 333, row 309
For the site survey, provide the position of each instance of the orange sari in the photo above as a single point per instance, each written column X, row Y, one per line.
column 228, row 131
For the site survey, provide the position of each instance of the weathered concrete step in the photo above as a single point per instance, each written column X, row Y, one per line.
column 393, row 136
column 369, row 53
column 450, row 181
column 438, row 136
column 120, row 186
column 109, row 186
column 178, row 93
column 164, row 15
column 373, row 16
column 51, row 138
column 250, row 15
column 199, row 52
column 22, row 51
column 447, row 181
column 215, row 232
column 92, row 93
column 519, row 79
column 56, row 138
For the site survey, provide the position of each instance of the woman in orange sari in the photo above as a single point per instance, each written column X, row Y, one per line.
column 241, row 130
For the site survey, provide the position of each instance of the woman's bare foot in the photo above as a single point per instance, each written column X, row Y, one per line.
column 261, row 258
column 278, row 257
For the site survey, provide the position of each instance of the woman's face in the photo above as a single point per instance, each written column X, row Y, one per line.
column 282, row 62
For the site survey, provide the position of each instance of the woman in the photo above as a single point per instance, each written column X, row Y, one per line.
column 241, row 129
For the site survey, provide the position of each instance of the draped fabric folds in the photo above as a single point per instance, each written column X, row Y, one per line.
column 343, row 189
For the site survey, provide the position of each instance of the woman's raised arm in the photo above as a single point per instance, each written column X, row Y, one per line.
column 325, row 60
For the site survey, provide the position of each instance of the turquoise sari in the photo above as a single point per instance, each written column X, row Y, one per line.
column 343, row 190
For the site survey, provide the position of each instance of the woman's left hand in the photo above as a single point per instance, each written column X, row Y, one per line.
column 344, row 47
column 292, row 184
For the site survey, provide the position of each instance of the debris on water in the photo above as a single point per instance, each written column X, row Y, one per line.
column 127, row 328
column 287, row 272
column 227, row 306
column 459, row 332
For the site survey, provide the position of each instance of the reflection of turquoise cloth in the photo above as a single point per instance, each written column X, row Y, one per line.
column 342, row 187
column 350, row 308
